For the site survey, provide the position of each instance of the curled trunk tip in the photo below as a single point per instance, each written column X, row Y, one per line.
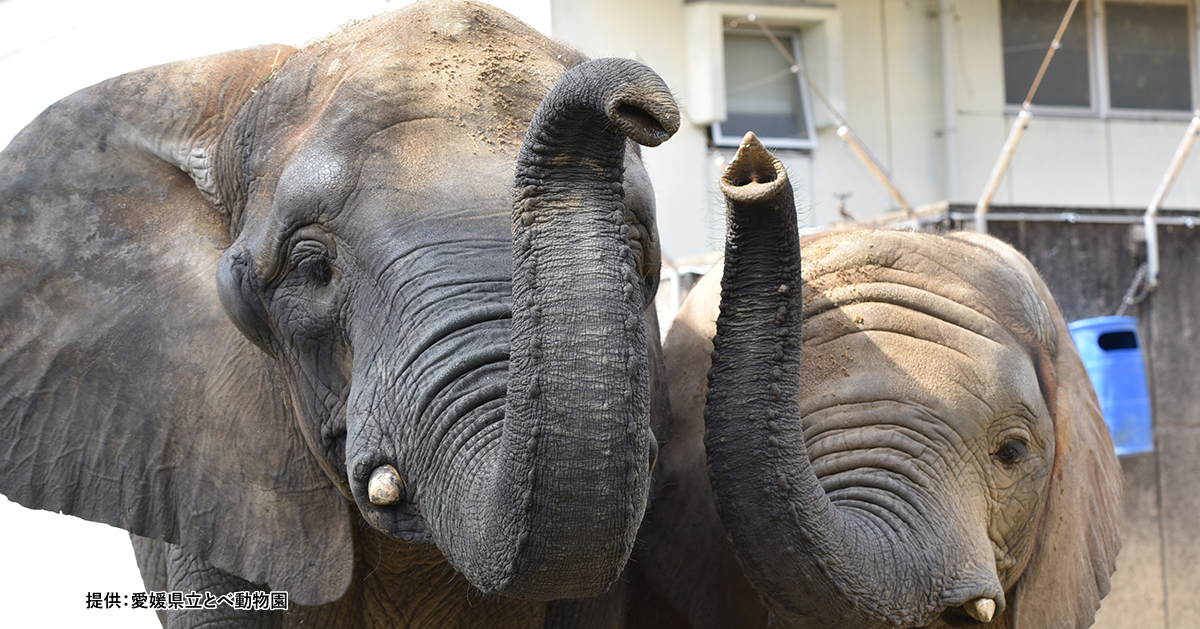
column 754, row 175
column 640, row 104
column 625, row 93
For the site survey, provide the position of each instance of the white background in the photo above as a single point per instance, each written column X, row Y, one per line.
column 48, row 49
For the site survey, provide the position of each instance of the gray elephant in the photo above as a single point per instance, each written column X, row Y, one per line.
column 283, row 316
column 937, row 459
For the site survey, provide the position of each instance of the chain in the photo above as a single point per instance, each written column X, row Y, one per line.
column 1138, row 289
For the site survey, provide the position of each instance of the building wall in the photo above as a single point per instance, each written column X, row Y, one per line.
column 889, row 81
column 1075, row 161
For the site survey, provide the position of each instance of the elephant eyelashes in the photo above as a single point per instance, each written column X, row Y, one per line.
column 311, row 261
column 317, row 271
column 1011, row 452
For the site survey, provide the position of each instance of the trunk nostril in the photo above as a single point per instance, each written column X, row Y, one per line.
column 641, row 125
column 754, row 175
column 385, row 487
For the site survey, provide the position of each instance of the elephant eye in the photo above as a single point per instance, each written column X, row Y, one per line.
column 310, row 258
column 1010, row 452
column 318, row 271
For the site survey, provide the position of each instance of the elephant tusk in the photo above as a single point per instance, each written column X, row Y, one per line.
column 385, row 486
column 981, row 609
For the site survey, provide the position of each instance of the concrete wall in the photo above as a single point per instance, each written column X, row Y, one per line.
column 1088, row 268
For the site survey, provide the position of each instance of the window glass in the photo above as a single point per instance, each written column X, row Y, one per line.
column 1148, row 60
column 1028, row 28
column 762, row 94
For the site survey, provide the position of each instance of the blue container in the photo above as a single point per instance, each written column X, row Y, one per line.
column 1112, row 355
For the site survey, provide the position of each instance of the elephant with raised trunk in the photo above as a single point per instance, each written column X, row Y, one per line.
column 258, row 301
column 898, row 430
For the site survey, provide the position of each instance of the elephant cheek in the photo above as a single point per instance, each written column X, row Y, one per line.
column 236, row 289
column 1015, row 520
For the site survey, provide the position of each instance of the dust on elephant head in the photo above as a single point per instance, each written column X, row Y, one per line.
column 238, row 286
column 899, row 431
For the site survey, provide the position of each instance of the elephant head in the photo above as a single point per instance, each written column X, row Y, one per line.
column 249, row 295
column 937, row 458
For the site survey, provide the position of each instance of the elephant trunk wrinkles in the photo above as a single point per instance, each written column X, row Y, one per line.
column 814, row 564
column 557, row 513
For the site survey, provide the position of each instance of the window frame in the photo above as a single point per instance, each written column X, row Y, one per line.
column 794, row 36
column 820, row 28
column 1101, row 90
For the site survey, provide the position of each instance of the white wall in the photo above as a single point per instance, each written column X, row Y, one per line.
column 1081, row 161
column 894, row 102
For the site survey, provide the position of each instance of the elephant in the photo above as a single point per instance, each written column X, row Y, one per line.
column 877, row 428
column 369, row 322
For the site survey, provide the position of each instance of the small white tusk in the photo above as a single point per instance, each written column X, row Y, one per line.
column 981, row 609
column 385, row 486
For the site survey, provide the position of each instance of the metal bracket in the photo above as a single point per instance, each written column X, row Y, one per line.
column 1151, row 220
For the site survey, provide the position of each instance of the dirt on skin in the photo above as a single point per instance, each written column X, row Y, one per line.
column 498, row 81
column 487, row 69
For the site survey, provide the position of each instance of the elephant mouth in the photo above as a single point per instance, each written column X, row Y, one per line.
column 637, row 234
column 958, row 617
column 381, row 493
column 642, row 246
column 978, row 612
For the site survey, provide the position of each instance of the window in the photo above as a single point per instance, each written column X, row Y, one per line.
column 1028, row 27
column 1148, row 62
column 762, row 93
column 1130, row 56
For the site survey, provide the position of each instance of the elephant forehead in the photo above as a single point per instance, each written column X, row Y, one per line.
column 428, row 103
column 904, row 315
column 468, row 63
column 965, row 284
column 954, row 374
column 423, row 168
column 413, row 190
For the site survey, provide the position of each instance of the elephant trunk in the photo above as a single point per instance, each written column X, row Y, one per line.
column 555, row 513
column 753, row 384
column 815, row 562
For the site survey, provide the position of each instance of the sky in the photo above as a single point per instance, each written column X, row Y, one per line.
column 49, row 49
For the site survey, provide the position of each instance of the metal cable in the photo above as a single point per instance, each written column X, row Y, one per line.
column 1139, row 288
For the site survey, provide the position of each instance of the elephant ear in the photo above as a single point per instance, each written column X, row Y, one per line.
column 126, row 394
column 1079, row 541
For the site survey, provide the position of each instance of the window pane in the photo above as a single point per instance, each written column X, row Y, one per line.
column 1148, row 62
column 1029, row 27
column 762, row 95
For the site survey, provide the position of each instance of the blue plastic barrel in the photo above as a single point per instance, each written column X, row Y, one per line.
column 1112, row 354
